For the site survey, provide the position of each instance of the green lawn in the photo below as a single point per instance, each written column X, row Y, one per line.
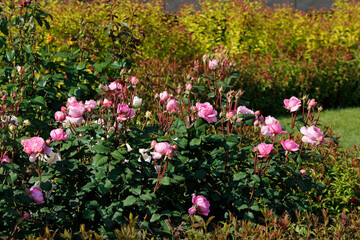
column 345, row 122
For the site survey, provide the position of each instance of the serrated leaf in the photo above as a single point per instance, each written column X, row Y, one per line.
column 101, row 149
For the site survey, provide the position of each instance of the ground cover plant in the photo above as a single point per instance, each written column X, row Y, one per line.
column 95, row 140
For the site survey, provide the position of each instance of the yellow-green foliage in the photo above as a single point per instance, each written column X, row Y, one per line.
column 163, row 36
column 251, row 26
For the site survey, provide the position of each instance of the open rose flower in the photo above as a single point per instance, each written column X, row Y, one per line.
column 213, row 64
column 292, row 104
column 36, row 194
column 272, row 126
column 206, row 111
column 114, row 86
column 33, row 146
column 264, row 149
column 312, row 135
column 162, row 148
column 172, row 106
column 201, row 205
column 58, row 135
column 134, row 80
column 107, row 103
column 5, row 159
column 75, row 112
column 124, row 112
column 60, row 116
column 164, row 96
column 289, row 145
column 90, row 105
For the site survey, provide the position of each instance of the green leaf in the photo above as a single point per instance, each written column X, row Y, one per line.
column 195, row 143
column 81, row 66
column 130, row 200
column 39, row 100
column 99, row 160
column 88, row 187
column 165, row 181
column 10, row 55
column 155, row 217
column 240, row 175
column 101, row 149
column 117, row 155
column 200, row 174
column 27, row 48
column 256, row 178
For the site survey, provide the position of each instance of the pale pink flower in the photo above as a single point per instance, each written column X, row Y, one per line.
column 230, row 115
column 164, row 96
column 5, row 159
column 272, row 126
column 303, row 172
column 172, row 105
column 90, row 105
column 60, row 116
column 76, row 110
column 292, row 104
column 213, row 64
column 58, row 135
column 114, row 86
column 160, row 149
column 204, row 57
column 264, row 149
column 70, row 101
column 134, row 80
column 188, row 87
column 37, row 195
column 124, row 112
column 34, row 146
column 106, row 103
column 20, row 69
column 244, row 110
column 289, row 145
column 201, row 205
column 312, row 135
column 312, row 103
column 206, row 111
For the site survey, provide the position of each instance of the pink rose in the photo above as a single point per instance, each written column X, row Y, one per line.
column 204, row 57
column 264, row 149
column 106, row 103
column 290, row 145
column 63, row 109
column 244, row 110
column 124, row 112
column 37, row 195
column 114, row 85
column 272, row 126
column 292, row 104
column 90, row 105
column 172, row 105
column 303, row 172
column 213, row 64
column 312, row 103
column 164, row 96
column 160, row 149
column 33, row 146
column 188, row 87
column 76, row 110
column 134, row 80
column 70, row 101
column 5, row 159
column 230, row 114
column 206, row 111
column 201, row 204
column 312, row 135
column 60, row 116
column 58, row 135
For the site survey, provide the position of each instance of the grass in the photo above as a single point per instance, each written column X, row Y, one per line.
column 345, row 122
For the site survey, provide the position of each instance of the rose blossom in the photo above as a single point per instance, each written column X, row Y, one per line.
column 5, row 159
column 206, row 111
column 106, row 103
column 58, row 135
column 188, row 87
column 134, row 80
column 172, row 106
column 290, row 145
column 137, row 101
column 213, row 64
column 201, row 204
column 272, row 126
column 90, row 105
column 244, row 110
column 264, row 149
column 76, row 110
column 312, row 135
column 303, row 172
column 60, row 116
column 33, row 146
column 292, row 104
column 70, row 101
column 162, row 148
column 124, row 112
column 312, row 103
column 37, row 195
column 164, row 96
column 114, row 85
